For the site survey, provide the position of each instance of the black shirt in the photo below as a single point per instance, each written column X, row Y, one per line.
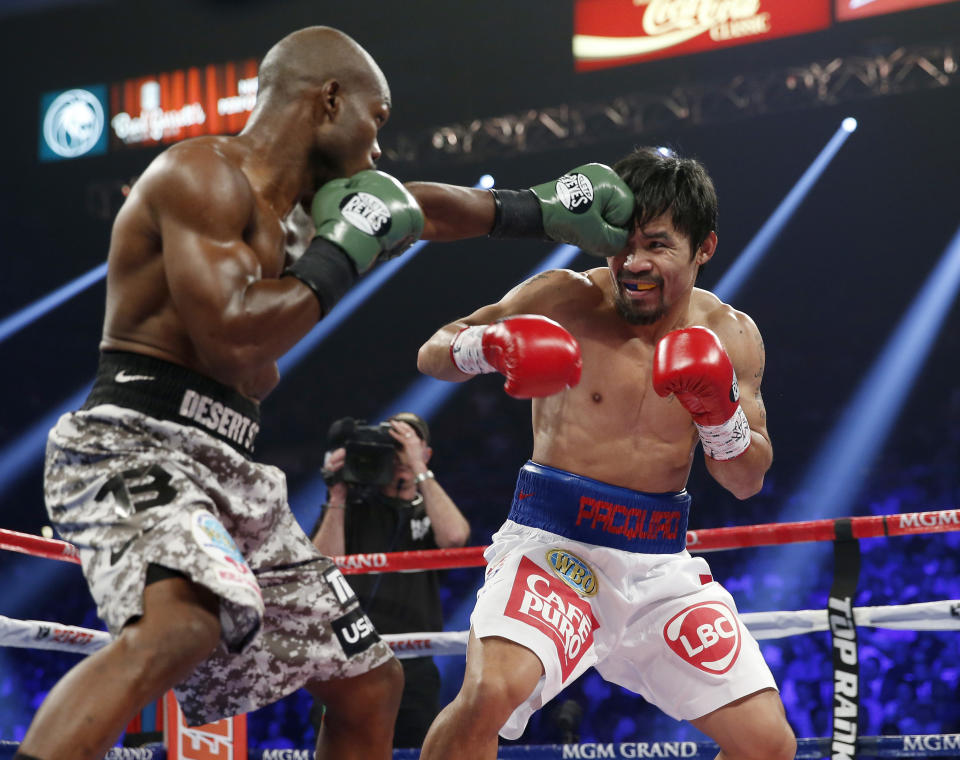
column 395, row 602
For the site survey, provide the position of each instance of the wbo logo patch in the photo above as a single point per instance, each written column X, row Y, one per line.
column 573, row 571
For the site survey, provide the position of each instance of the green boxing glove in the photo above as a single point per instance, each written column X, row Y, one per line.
column 589, row 207
column 359, row 220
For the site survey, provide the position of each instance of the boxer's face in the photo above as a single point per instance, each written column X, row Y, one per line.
column 655, row 269
column 348, row 142
column 364, row 114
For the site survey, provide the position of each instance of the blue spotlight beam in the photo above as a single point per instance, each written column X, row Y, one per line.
column 347, row 306
column 836, row 476
column 734, row 278
column 29, row 314
column 19, row 457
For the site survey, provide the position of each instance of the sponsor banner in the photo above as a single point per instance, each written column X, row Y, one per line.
column 922, row 522
column 843, row 635
column 852, row 9
column 73, row 123
column 224, row 740
column 164, row 108
column 555, row 609
column 616, row 32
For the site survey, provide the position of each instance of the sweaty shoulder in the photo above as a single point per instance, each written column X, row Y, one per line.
column 554, row 291
column 199, row 182
column 736, row 329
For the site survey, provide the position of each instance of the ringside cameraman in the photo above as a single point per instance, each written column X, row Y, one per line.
column 382, row 497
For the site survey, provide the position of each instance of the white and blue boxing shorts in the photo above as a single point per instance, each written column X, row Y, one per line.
column 584, row 574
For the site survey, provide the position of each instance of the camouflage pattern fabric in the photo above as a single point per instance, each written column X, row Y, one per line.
column 130, row 490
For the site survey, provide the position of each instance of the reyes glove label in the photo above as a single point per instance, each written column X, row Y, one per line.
column 575, row 192
column 367, row 213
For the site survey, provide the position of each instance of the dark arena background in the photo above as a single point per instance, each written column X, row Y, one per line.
column 831, row 131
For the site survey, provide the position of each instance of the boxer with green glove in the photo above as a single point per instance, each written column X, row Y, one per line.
column 359, row 219
column 589, row 207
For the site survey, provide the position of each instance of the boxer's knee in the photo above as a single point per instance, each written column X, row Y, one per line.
column 179, row 629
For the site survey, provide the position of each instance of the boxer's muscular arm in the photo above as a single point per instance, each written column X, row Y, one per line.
column 235, row 318
column 451, row 212
column 743, row 476
column 537, row 295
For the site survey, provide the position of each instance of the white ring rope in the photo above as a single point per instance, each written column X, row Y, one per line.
column 923, row 616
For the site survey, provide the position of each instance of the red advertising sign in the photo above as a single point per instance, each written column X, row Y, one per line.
column 210, row 100
column 224, row 740
column 616, row 32
column 851, row 9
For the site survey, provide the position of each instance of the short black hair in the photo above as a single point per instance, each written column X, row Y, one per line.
column 661, row 181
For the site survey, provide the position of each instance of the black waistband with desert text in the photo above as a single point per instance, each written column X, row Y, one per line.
column 168, row 391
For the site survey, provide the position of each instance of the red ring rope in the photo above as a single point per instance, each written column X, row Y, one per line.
column 710, row 539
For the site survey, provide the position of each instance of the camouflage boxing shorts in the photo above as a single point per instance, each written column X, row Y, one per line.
column 130, row 490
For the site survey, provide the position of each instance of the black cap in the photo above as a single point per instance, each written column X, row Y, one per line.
column 416, row 422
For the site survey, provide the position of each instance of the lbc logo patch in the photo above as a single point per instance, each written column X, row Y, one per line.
column 706, row 635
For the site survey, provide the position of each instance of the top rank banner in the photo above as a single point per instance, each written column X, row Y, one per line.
column 616, row 32
column 852, row 9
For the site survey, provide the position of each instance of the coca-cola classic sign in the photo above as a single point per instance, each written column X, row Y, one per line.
column 615, row 32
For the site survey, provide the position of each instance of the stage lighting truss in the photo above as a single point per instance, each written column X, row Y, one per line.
column 821, row 83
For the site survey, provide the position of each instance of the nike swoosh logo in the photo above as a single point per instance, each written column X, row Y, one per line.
column 523, row 495
column 116, row 554
column 123, row 377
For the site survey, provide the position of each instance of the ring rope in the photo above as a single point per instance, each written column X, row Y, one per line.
column 922, row 616
column 709, row 539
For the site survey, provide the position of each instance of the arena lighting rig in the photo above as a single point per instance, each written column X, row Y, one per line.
column 826, row 82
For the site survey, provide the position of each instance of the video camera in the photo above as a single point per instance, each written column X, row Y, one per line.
column 370, row 451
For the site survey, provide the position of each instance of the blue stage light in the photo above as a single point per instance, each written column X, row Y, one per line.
column 25, row 453
column 486, row 181
column 733, row 279
column 849, row 124
column 29, row 314
column 835, row 478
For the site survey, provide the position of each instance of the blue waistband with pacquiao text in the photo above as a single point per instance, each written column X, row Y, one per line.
column 598, row 513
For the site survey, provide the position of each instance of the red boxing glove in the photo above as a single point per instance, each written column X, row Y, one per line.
column 692, row 364
column 537, row 355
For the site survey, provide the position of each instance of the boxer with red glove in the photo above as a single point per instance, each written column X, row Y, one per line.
column 693, row 365
column 537, row 355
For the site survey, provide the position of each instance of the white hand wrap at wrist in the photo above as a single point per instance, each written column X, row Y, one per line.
column 727, row 440
column 467, row 351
